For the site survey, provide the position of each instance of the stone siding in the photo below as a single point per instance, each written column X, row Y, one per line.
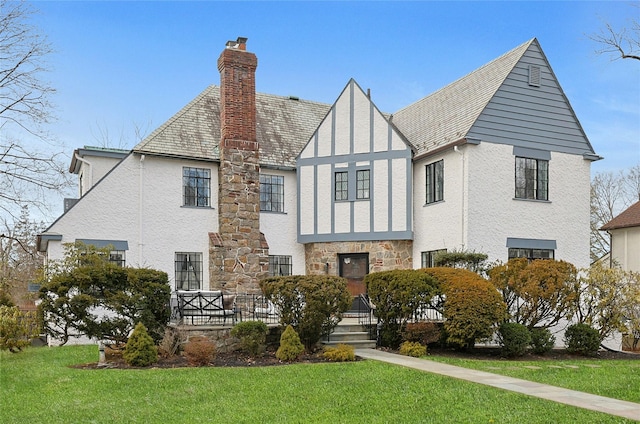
column 384, row 255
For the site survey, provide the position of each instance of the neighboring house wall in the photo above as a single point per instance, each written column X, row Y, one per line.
column 625, row 248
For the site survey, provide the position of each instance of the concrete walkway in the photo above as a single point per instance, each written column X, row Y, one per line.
column 616, row 407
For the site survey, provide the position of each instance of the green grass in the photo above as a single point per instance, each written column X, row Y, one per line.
column 619, row 379
column 37, row 386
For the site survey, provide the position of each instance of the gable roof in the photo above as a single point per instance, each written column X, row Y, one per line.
column 480, row 105
column 284, row 125
column 630, row 217
column 447, row 115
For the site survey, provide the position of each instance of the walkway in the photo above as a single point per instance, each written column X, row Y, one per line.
column 616, row 407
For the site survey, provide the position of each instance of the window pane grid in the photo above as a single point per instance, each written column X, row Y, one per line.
column 272, row 193
column 196, row 183
column 188, row 268
column 341, row 186
column 532, row 179
column 435, row 182
column 279, row 265
column 531, row 254
column 362, row 184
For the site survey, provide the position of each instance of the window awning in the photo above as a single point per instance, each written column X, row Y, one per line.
column 523, row 243
column 117, row 244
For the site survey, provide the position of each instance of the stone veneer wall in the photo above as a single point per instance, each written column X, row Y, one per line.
column 384, row 255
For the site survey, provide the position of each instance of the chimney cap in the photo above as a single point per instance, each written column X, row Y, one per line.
column 240, row 43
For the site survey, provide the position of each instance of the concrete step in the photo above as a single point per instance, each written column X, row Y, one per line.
column 348, row 336
column 357, row 344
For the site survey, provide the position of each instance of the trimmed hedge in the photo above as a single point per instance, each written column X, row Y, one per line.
column 397, row 295
column 472, row 308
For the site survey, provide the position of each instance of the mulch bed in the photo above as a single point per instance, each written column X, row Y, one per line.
column 241, row 359
column 231, row 359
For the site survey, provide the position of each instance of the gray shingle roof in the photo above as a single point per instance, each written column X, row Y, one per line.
column 284, row 125
column 447, row 115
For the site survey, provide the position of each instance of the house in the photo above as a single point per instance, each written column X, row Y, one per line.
column 624, row 232
column 238, row 185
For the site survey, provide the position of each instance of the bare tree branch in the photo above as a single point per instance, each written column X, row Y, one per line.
column 620, row 44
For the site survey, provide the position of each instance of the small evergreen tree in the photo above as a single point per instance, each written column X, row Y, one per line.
column 290, row 345
column 140, row 350
column 16, row 328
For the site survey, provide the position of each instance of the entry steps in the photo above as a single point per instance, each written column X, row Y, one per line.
column 355, row 335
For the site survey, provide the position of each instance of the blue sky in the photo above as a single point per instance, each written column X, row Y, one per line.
column 119, row 65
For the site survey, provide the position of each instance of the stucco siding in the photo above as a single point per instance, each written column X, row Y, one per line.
column 438, row 225
column 495, row 215
column 307, row 205
column 112, row 211
column 280, row 229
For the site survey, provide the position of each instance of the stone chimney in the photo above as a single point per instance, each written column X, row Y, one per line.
column 238, row 253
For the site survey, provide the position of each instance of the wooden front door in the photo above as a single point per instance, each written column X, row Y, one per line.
column 353, row 267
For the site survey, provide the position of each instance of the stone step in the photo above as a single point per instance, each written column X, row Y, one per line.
column 349, row 335
column 357, row 344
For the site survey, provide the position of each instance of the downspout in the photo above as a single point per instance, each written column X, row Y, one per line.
column 86, row 162
column 141, row 213
column 462, row 197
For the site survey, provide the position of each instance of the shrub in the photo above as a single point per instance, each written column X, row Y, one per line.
column 422, row 332
column 472, row 306
column 88, row 283
column 339, row 353
column 312, row 304
column 542, row 341
column 414, row 349
column 398, row 294
column 199, row 351
column 140, row 350
column 290, row 345
column 252, row 335
column 17, row 328
column 514, row 339
column 583, row 339
column 539, row 293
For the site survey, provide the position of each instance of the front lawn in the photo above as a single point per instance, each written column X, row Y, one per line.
column 38, row 386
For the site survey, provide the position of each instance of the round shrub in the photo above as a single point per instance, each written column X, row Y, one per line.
column 542, row 341
column 514, row 339
column 290, row 345
column 424, row 332
column 581, row 338
column 199, row 351
column 252, row 335
column 140, row 350
column 473, row 306
column 339, row 353
column 414, row 349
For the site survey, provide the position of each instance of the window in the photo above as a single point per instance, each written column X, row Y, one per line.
column 531, row 254
column 188, row 268
column 342, row 186
column 362, row 184
column 196, row 183
column 435, row 182
column 117, row 257
column 429, row 258
column 532, row 178
column 279, row 265
column 272, row 193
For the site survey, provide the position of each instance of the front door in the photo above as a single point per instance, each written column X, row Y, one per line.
column 353, row 267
